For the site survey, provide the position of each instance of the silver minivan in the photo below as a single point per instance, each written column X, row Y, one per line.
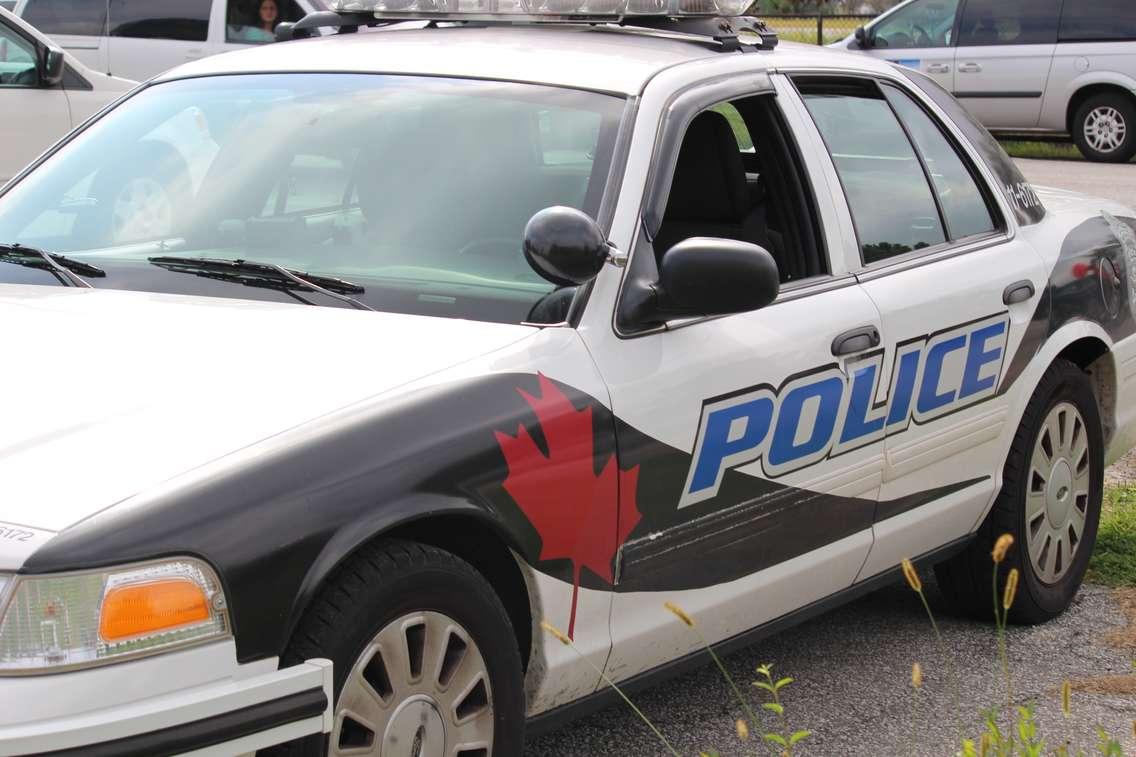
column 1029, row 67
column 139, row 39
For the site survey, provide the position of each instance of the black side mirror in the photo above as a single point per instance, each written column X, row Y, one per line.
column 50, row 66
column 863, row 38
column 565, row 246
column 708, row 276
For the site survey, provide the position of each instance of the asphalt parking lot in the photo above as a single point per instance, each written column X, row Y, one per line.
column 852, row 667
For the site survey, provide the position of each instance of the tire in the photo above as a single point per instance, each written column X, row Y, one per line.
column 394, row 592
column 1104, row 128
column 1047, row 585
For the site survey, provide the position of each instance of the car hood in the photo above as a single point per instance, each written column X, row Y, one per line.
column 110, row 392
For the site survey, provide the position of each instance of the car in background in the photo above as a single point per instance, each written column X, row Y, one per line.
column 1042, row 68
column 44, row 93
column 139, row 39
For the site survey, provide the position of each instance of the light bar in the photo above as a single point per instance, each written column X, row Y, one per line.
column 540, row 10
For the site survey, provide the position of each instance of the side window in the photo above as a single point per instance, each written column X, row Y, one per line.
column 186, row 20
column 82, row 17
column 887, row 191
column 925, row 23
column 964, row 206
column 737, row 176
column 254, row 22
column 1009, row 22
column 17, row 60
column 1097, row 21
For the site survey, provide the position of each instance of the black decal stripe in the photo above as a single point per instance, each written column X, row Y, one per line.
column 893, row 507
column 1009, row 95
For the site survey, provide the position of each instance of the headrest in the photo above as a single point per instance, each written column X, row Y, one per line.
column 709, row 182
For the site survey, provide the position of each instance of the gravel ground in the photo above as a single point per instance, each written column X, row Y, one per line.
column 853, row 666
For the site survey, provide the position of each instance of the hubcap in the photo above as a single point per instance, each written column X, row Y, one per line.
column 1057, row 497
column 1105, row 129
column 420, row 689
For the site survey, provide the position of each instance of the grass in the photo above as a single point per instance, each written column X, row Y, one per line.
column 1042, row 150
column 1114, row 558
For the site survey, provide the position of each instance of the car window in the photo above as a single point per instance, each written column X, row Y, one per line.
column 1009, row 22
column 964, row 206
column 887, row 192
column 924, row 23
column 416, row 188
column 1097, row 20
column 17, row 60
column 160, row 19
column 254, row 22
column 82, row 17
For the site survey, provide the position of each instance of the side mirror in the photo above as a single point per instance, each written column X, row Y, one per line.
column 565, row 246
column 50, row 66
column 863, row 38
column 708, row 276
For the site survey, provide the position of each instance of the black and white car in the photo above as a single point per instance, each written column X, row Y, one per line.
column 408, row 341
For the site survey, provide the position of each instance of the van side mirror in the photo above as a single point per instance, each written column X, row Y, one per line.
column 863, row 38
column 565, row 246
column 50, row 66
column 709, row 276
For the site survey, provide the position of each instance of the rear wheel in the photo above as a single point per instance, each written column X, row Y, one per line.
column 426, row 661
column 1050, row 503
column 1104, row 128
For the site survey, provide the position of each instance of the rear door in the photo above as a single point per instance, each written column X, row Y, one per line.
column 956, row 292
column 78, row 26
column 919, row 35
column 1003, row 59
column 148, row 37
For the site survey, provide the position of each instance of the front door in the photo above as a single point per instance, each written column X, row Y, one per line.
column 919, row 35
column 757, row 454
column 34, row 116
column 148, row 37
column 955, row 292
column 1005, row 48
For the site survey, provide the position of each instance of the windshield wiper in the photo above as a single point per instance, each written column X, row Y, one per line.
column 267, row 275
column 66, row 269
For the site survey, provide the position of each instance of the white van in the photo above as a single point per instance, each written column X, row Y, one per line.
column 139, row 39
column 1033, row 67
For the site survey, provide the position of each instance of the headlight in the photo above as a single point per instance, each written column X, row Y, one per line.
column 68, row 620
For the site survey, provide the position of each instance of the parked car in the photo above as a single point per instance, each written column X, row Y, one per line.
column 138, row 39
column 1038, row 68
column 44, row 92
column 446, row 332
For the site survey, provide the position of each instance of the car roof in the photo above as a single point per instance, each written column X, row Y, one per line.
column 601, row 59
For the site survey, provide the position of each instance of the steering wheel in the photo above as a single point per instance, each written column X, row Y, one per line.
column 924, row 39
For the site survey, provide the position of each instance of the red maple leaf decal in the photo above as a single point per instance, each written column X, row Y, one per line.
column 576, row 512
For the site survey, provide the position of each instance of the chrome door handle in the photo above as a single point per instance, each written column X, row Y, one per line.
column 856, row 340
column 938, row 68
column 970, row 68
column 1019, row 291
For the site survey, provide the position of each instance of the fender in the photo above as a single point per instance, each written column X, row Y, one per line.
column 1055, row 111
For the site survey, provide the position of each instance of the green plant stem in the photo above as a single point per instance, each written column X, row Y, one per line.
column 729, row 679
column 956, row 696
column 1000, row 625
column 603, row 676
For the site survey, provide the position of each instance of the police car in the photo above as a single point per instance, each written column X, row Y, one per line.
column 335, row 367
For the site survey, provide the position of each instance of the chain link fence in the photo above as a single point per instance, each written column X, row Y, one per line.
column 817, row 29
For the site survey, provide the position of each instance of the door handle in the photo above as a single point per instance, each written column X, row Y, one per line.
column 938, row 68
column 1019, row 291
column 970, row 68
column 856, row 340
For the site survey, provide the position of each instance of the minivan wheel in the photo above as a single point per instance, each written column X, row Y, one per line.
column 425, row 658
column 1104, row 128
column 1052, row 486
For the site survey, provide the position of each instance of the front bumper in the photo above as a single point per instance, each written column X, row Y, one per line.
column 115, row 710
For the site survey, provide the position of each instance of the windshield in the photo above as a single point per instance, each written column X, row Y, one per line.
column 416, row 189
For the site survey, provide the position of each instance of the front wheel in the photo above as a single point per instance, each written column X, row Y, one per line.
column 1050, row 503
column 426, row 660
column 1104, row 128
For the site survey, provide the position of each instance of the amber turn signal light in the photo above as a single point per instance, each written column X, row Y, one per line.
column 145, row 608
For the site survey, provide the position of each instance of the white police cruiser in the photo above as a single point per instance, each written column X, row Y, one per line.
column 402, row 342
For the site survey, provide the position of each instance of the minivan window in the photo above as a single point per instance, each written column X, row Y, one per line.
column 160, row 19
column 17, row 60
column 1009, row 22
column 924, row 23
column 1097, row 21
column 83, row 17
